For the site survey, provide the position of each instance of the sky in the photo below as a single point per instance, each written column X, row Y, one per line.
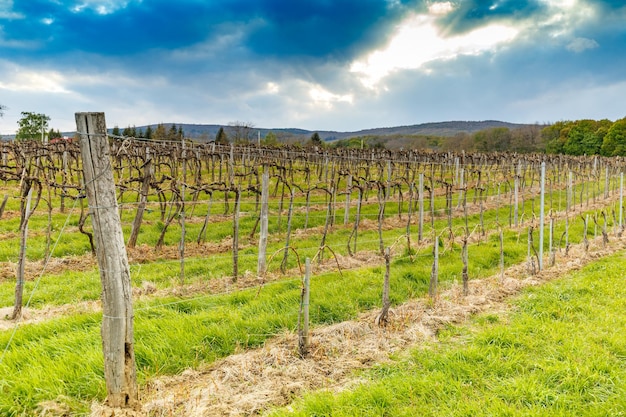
column 341, row 65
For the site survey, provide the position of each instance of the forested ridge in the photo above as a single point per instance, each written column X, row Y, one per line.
column 578, row 137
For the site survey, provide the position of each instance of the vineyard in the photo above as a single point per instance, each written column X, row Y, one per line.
column 220, row 238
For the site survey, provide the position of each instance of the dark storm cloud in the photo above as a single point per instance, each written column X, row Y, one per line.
column 470, row 14
column 335, row 28
column 319, row 28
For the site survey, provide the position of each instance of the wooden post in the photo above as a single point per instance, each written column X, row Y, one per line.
column 283, row 265
column 516, row 195
column 465, row 260
column 346, row 213
column 303, row 336
column 459, row 186
column 265, row 191
column 3, row 204
column 382, row 318
column 434, row 275
column 621, row 200
column 25, row 213
column 181, row 245
column 501, row 255
column 420, row 229
column 542, row 213
column 606, row 182
column 236, row 234
column 552, row 252
column 143, row 200
column 117, row 309
column 64, row 162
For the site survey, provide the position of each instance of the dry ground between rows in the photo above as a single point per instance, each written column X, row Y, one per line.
column 250, row 382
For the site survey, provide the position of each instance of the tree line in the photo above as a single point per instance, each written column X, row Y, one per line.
column 160, row 132
column 586, row 137
column 578, row 137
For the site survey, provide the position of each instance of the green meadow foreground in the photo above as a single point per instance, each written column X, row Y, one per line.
column 559, row 350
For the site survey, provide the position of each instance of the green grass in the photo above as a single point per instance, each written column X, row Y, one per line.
column 484, row 258
column 62, row 358
column 560, row 352
column 173, row 334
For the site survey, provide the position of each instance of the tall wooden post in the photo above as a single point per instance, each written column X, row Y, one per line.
column 542, row 213
column 265, row 191
column 382, row 318
column 420, row 230
column 117, row 309
column 303, row 324
column 621, row 199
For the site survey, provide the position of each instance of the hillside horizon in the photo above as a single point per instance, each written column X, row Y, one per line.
column 444, row 129
column 207, row 132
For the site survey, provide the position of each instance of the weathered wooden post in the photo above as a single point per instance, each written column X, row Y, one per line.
column 382, row 318
column 236, row 233
column 516, row 197
column 434, row 275
column 621, row 199
column 420, row 230
column 542, row 213
column 265, row 191
column 303, row 319
column 181, row 245
column 117, row 309
column 346, row 213
column 25, row 213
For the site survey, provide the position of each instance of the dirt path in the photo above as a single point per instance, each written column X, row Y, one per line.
column 250, row 382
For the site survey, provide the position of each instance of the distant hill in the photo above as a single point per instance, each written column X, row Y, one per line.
column 444, row 129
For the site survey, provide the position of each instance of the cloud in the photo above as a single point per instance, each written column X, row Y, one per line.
column 418, row 42
column 467, row 15
column 318, row 28
column 581, row 44
column 319, row 64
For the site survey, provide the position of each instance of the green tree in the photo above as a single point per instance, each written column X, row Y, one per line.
column 148, row 132
column 270, row 139
column 116, row 131
column 159, row 132
column 492, row 140
column 221, row 137
column 460, row 141
column 585, row 137
column 614, row 142
column 172, row 134
column 315, row 139
column 554, row 136
column 52, row 134
column 32, row 126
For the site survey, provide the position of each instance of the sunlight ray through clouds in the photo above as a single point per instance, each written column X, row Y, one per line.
column 419, row 41
column 326, row 99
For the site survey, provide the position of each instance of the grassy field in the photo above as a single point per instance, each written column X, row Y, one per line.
column 559, row 350
column 190, row 322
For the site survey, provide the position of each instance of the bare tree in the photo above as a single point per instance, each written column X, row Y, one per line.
column 240, row 132
column 2, row 109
